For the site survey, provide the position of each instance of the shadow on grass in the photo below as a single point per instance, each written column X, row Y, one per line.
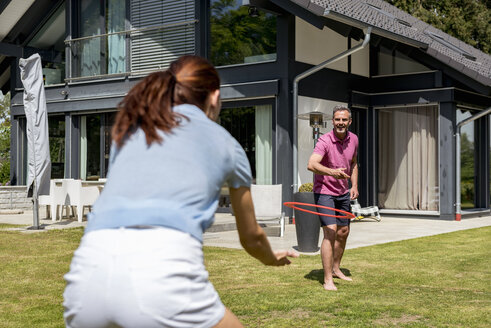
column 319, row 275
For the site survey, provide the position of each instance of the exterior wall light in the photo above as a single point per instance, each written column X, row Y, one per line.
column 316, row 120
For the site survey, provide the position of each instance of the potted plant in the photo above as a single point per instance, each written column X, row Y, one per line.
column 307, row 225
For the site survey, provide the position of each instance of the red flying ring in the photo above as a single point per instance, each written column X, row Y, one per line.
column 348, row 215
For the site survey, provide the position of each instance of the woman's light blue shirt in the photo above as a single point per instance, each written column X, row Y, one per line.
column 174, row 184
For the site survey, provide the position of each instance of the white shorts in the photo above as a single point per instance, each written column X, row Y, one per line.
column 140, row 278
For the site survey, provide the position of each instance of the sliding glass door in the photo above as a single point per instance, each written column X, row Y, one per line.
column 95, row 144
column 408, row 158
column 467, row 160
column 252, row 127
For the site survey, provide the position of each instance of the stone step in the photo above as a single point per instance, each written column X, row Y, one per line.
column 226, row 222
column 223, row 222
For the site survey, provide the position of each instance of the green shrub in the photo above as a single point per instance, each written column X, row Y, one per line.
column 5, row 173
column 306, row 187
column 467, row 191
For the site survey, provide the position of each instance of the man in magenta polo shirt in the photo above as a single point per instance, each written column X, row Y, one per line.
column 334, row 162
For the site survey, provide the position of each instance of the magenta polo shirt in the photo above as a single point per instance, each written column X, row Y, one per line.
column 336, row 153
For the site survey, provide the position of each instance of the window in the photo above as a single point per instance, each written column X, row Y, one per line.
column 96, row 53
column 408, row 158
column 90, row 147
column 442, row 41
column 49, row 43
column 95, row 144
column 252, row 127
column 467, row 160
column 240, row 123
column 163, row 30
column 389, row 15
column 56, row 126
column 238, row 38
column 392, row 61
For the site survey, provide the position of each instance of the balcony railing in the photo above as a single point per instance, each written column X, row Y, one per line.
column 137, row 51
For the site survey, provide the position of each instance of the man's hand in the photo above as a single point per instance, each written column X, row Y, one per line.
column 339, row 173
column 353, row 193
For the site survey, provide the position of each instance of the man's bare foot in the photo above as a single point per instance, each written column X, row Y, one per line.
column 330, row 286
column 339, row 274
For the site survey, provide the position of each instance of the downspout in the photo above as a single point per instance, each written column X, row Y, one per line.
column 458, row 205
column 297, row 79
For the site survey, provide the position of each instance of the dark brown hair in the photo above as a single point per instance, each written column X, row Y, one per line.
column 148, row 105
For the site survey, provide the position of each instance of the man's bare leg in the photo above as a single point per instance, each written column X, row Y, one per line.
column 339, row 245
column 327, row 247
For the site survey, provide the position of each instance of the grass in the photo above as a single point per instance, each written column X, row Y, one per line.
column 437, row 281
column 4, row 226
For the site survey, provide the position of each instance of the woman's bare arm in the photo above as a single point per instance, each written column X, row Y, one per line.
column 252, row 236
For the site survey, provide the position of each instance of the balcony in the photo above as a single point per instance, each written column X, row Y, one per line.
column 129, row 53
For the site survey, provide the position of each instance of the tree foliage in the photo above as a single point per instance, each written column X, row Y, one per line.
column 467, row 160
column 236, row 35
column 4, row 138
column 466, row 20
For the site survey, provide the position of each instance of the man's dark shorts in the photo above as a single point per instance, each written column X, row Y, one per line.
column 338, row 202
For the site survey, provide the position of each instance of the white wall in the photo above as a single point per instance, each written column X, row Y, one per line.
column 360, row 60
column 313, row 46
column 305, row 141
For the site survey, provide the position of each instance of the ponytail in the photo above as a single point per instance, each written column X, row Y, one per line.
column 148, row 105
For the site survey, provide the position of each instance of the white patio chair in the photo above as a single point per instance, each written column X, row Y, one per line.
column 81, row 196
column 55, row 198
column 268, row 205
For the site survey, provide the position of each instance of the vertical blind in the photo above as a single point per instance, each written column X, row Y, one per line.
column 168, row 32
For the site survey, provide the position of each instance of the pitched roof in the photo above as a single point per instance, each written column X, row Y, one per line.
column 391, row 22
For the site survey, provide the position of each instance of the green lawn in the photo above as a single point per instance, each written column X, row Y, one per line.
column 439, row 281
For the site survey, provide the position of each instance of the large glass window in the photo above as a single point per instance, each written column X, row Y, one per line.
column 240, row 122
column 90, row 147
column 49, row 43
column 96, row 53
column 408, row 158
column 252, row 127
column 95, row 144
column 56, row 126
column 467, row 159
column 392, row 61
column 237, row 37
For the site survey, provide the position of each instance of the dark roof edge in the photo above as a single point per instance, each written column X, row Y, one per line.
column 300, row 9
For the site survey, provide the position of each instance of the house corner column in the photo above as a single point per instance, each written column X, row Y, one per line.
column 447, row 160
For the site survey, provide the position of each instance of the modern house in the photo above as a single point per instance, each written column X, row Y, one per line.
column 408, row 84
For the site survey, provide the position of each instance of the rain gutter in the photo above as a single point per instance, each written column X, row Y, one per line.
column 458, row 205
column 297, row 79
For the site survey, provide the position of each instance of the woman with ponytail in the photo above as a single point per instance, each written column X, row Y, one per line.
column 140, row 261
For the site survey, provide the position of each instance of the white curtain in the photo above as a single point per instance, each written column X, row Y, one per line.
column 408, row 158
column 116, row 49
column 264, row 158
column 90, row 52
